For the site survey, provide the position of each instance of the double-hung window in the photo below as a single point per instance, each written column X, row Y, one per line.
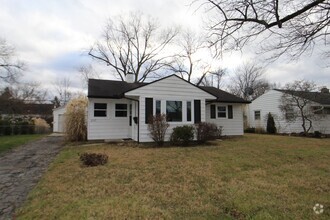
column 121, row 110
column 257, row 115
column 289, row 114
column 222, row 112
column 100, row 109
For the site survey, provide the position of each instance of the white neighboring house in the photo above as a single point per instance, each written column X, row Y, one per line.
column 119, row 110
column 270, row 102
column 59, row 119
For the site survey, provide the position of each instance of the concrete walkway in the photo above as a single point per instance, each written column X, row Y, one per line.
column 21, row 169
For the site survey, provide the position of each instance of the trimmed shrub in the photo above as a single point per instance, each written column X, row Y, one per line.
column 40, row 126
column 16, row 129
column 207, row 131
column 26, row 127
column 93, row 159
column 5, row 128
column 75, row 123
column 317, row 134
column 260, row 130
column 250, row 130
column 157, row 126
column 182, row 135
column 271, row 128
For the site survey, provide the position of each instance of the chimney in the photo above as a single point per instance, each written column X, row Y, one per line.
column 325, row 90
column 129, row 78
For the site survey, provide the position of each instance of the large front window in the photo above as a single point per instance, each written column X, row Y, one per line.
column 174, row 111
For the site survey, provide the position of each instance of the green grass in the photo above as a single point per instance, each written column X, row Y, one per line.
column 8, row 142
column 253, row 177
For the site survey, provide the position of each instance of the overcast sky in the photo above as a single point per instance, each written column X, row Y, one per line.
column 52, row 35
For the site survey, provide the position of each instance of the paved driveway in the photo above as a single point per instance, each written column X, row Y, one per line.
column 20, row 170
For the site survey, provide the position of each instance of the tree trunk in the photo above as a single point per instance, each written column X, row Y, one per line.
column 303, row 121
column 310, row 124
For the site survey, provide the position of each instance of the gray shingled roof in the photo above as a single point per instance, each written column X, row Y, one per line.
column 223, row 96
column 98, row 88
column 116, row 89
column 319, row 97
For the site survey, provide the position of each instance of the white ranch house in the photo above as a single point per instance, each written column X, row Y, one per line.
column 259, row 108
column 119, row 110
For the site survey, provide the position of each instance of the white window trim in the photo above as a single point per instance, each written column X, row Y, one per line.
column 106, row 110
column 254, row 115
column 217, row 111
column 184, row 109
column 127, row 110
column 154, row 106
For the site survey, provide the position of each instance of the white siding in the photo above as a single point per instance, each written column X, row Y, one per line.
column 173, row 89
column 110, row 127
column 232, row 126
column 270, row 102
column 144, row 132
column 167, row 89
column 58, row 119
column 323, row 125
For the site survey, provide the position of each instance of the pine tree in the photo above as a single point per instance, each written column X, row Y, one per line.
column 271, row 128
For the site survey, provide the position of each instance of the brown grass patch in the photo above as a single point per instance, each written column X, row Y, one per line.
column 257, row 176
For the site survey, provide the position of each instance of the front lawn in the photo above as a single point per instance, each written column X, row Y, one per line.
column 252, row 177
column 8, row 142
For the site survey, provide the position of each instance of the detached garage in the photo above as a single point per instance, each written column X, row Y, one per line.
column 59, row 119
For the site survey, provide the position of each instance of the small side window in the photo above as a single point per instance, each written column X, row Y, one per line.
column 100, row 109
column 121, row 110
column 188, row 111
column 289, row 115
column 212, row 107
column 256, row 115
column 230, row 111
column 222, row 112
column 158, row 107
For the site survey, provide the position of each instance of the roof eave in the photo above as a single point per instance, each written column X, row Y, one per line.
column 105, row 97
column 240, row 102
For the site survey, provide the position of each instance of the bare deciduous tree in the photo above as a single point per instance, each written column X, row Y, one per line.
column 10, row 68
column 215, row 78
column 185, row 62
column 248, row 82
column 62, row 88
column 15, row 97
column 191, row 58
column 296, row 103
column 133, row 45
column 289, row 27
column 29, row 92
column 87, row 72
